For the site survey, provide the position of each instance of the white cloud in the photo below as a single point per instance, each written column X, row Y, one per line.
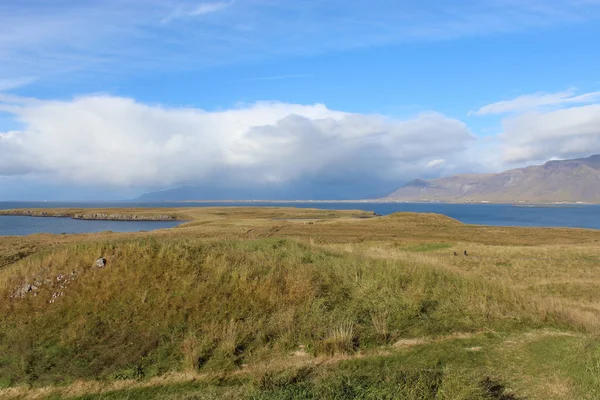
column 111, row 141
column 436, row 163
column 540, row 136
column 13, row 83
column 538, row 100
column 542, row 126
column 274, row 78
column 207, row 8
column 195, row 10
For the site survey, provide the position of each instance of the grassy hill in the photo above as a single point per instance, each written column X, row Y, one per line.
column 287, row 303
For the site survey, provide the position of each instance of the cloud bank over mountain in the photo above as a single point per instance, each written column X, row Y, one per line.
column 122, row 144
column 118, row 142
column 565, row 133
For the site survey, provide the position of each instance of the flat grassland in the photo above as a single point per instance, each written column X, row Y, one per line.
column 285, row 303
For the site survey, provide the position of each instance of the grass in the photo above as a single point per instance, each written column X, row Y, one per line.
column 437, row 370
column 427, row 247
column 289, row 303
column 225, row 303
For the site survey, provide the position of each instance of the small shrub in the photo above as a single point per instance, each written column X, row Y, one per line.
column 133, row 372
column 340, row 340
column 380, row 323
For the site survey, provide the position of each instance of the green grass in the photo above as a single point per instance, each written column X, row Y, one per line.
column 241, row 304
column 169, row 304
column 435, row 371
column 381, row 379
column 541, row 364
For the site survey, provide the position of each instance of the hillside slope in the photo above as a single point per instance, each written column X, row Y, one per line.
column 555, row 181
column 284, row 303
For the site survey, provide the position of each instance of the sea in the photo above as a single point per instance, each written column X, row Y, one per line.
column 559, row 215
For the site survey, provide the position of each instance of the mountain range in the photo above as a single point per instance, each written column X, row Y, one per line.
column 570, row 181
column 567, row 181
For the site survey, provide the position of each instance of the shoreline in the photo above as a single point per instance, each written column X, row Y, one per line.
column 211, row 213
column 90, row 216
column 132, row 203
column 381, row 201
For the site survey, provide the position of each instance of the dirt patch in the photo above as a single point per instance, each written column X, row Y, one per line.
column 409, row 342
column 403, row 343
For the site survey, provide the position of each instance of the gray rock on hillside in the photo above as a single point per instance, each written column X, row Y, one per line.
column 24, row 290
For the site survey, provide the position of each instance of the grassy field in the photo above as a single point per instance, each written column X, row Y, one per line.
column 284, row 303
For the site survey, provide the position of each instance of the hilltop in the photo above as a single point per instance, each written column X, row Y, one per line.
column 555, row 181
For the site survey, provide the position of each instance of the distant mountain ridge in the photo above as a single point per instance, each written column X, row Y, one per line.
column 570, row 181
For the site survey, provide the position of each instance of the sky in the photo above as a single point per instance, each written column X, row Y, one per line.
column 344, row 99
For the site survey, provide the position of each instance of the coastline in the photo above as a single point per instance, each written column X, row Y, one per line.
column 94, row 216
column 385, row 201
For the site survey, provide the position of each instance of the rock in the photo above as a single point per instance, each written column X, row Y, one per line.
column 55, row 296
column 26, row 288
column 101, row 262
column 23, row 290
column 301, row 352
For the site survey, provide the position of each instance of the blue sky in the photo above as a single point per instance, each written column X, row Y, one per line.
column 108, row 100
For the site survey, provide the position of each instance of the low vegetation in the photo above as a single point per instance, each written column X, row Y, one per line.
column 310, row 304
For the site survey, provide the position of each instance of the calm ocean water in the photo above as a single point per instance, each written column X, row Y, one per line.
column 576, row 216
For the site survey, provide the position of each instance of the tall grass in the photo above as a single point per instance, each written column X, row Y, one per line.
column 560, row 282
column 183, row 303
